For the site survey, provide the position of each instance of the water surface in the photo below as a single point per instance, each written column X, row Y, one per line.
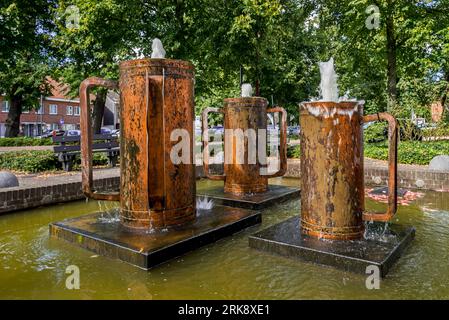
column 33, row 266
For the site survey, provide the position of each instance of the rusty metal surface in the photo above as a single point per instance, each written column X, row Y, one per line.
column 332, row 199
column 392, row 168
column 87, row 138
column 157, row 97
column 283, row 142
column 241, row 115
column 332, row 194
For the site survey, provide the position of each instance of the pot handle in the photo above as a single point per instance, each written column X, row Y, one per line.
column 86, row 138
column 206, row 143
column 392, row 167
column 283, row 143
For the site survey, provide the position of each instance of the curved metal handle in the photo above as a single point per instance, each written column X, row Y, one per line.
column 86, row 138
column 206, row 143
column 283, row 143
column 392, row 167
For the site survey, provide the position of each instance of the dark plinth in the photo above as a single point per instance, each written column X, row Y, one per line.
column 255, row 201
column 146, row 250
column 285, row 239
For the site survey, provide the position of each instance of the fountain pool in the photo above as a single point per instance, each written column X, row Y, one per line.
column 32, row 265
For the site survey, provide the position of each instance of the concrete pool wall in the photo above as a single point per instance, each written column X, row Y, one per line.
column 65, row 188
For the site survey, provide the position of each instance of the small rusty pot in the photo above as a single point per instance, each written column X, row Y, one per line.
column 332, row 179
column 245, row 168
column 157, row 97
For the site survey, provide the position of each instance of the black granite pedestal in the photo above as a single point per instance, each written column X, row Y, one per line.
column 148, row 249
column 255, row 201
column 354, row 256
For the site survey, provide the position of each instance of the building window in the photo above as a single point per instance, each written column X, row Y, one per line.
column 40, row 110
column 53, row 109
column 54, row 126
column 5, row 106
column 69, row 110
column 76, row 111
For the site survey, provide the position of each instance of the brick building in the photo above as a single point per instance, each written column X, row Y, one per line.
column 56, row 111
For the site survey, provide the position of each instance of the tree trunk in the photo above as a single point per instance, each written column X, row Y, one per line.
column 98, row 111
column 445, row 115
column 446, row 92
column 392, row 76
column 13, row 120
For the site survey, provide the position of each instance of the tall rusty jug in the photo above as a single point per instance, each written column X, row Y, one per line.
column 249, row 113
column 157, row 97
column 332, row 178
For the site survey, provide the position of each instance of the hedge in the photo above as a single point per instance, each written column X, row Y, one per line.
column 409, row 152
column 39, row 161
column 29, row 161
column 24, row 142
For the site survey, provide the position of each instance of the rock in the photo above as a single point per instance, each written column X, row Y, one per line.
column 440, row 163
column 8, row 180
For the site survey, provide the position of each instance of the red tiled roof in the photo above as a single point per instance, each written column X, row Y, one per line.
column 58, row 90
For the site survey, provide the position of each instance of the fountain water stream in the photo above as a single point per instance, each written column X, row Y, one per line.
column 328, row 85
column 158, row 49
column 247, row 90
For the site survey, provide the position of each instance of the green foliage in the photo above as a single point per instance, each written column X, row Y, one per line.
column 40, row 161
column 408, row 131
column 421, row 45
column 29, row 161
column 99, row 159
column 442, row 130
column 24, row 42
column 294, row 152
column 376, row 132
column 409, row 152
column 24, row 141
column 106, row 34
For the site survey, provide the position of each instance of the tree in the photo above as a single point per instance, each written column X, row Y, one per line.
column 267, row 40
column 24, row 58
column 92, row 37
column 393, row 64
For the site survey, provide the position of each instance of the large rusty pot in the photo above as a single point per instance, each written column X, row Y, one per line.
column 332, row 179
column 245, row 125
column 157, row 97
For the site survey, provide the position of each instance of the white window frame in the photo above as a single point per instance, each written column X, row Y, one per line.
column 69, row 110
column 5, row 102
column 76, row 110
column 40, row 110
column 50, row 109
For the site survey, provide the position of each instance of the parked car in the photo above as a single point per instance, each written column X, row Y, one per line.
column 293, row 130
column 105, row 130
column 116, row 132
column 72, row 133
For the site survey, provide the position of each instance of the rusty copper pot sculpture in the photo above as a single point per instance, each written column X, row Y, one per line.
column 248, row 116
column 157, row 97
column 332, row 179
